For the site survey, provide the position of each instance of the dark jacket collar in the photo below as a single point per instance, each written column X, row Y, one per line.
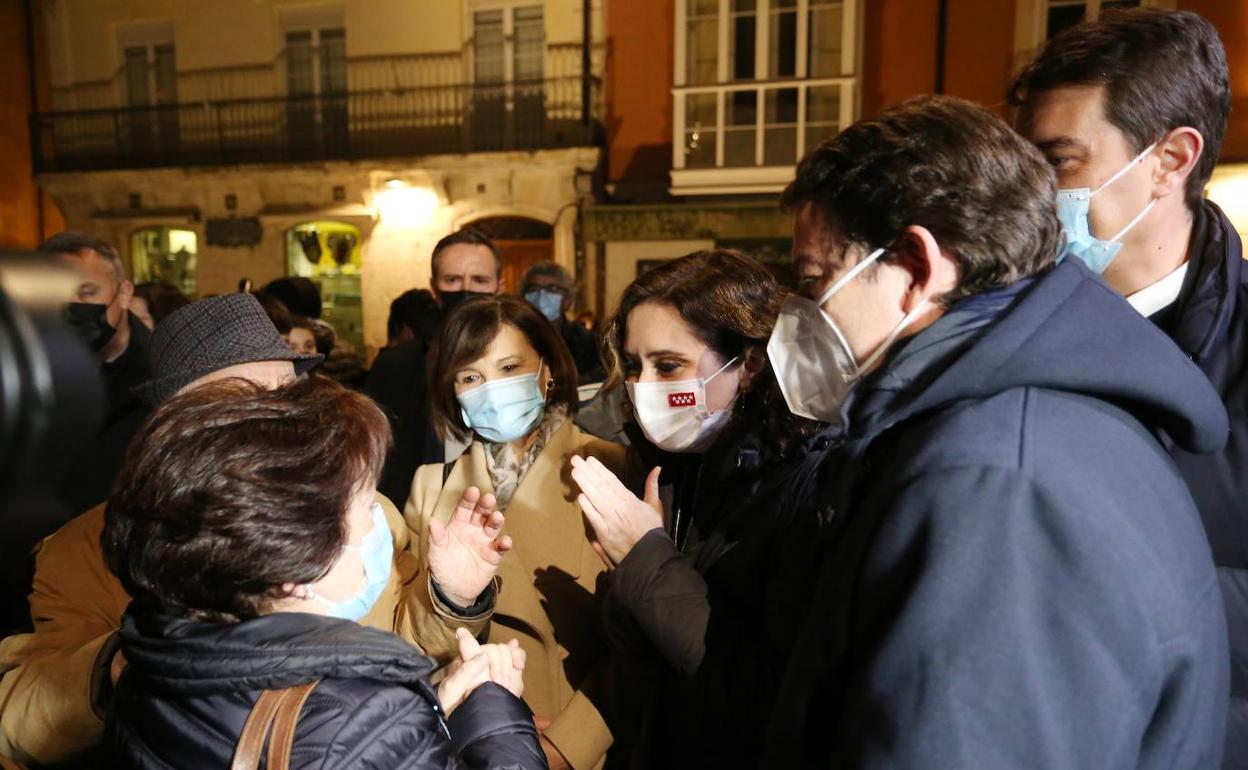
column 1207, row 300
column 269, row 652
column 1066, row 331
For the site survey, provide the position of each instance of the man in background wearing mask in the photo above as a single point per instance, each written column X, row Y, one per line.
column 548, row 287
column 100, row 315
column 1134, row 107
column 1015, row 574
column 464, row 263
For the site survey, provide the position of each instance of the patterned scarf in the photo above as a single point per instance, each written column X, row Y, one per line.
column 507, row 468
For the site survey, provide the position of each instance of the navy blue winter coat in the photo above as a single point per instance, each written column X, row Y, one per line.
column 1209, row 321
column 189, row 686
column 1016, row 574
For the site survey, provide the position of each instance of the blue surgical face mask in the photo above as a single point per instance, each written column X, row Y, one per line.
column 549, row 302
column 377, row 553
column 1072, row 212
column 504, row 410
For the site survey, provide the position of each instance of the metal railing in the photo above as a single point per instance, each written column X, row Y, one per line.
column 374, row 123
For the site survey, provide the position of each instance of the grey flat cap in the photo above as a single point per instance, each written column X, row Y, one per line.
column 212, row 334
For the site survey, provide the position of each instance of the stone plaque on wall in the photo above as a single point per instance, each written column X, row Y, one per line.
column 233, row 232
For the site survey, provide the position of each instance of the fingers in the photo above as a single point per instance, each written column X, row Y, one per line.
column 493, row 524
column 609, row 479
column 469, row 648
column 502, row 544
column 518, row 656
column 652, row 488
column 466, row 505
column 592, row 514
column 486, row 506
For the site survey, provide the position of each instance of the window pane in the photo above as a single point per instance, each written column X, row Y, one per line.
column 530, row 36
column 136, row 77
column 780, row 137
column 702, row 51
column 700, row 130
column 1063, row 15
column 823, row 114
column 487, row 46
column 299, row 62
column 702, row 8
column 166, row 75
column 741, row 35
column 782, row 47
column 740, row 131
column 333, row 61
column 824, row 40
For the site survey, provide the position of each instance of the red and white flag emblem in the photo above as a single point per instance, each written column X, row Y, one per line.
column 688, row 398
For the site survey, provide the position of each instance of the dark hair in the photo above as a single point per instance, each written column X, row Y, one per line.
column 324, row 335
column 470, row 236
column 1161, row 70
column 162, row 298
column 947, row 165
column 546, row 270
column 231, row 490
column 466, row 333
column 300, row 295
column 71, row 242
column 730, row 302
column 277, row 312
column 417, row 310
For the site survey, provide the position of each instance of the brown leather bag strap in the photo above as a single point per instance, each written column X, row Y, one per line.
column 283, row 740
column 255, row 730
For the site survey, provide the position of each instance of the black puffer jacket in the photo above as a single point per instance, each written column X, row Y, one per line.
column 719, row 605
column 189, row 687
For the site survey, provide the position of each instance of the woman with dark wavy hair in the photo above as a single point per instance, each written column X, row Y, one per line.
column 708, row 573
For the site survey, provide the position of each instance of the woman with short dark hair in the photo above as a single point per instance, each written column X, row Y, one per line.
column 501, row 376
column 244, row 526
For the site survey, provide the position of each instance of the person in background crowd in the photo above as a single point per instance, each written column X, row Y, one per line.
column 152, row 301
column 286, row 477
column 1016, row 574
column 1130, row 110
column 501, row 376
column 301, row 338
column 300, row 295
column 464, row 264
column 55, row 683
column 100, row 314
column 396, row 381
column 276, row 311
column 548, row 287
column 341, row 363
column 713, row 577
column 587, row 319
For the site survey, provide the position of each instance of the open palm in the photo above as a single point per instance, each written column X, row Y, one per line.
column 464, row 552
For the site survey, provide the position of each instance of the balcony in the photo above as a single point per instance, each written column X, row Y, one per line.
column 394, row 106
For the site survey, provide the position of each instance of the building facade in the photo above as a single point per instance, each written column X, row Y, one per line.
column 755, row 83
column 239, row 140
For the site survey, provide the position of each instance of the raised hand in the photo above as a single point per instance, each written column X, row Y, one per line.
column 618, row 518
column 464, row 553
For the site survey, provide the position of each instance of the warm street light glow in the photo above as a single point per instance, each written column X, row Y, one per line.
column 406, row 207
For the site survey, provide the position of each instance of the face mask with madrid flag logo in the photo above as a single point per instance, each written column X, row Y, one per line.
column 675, row 416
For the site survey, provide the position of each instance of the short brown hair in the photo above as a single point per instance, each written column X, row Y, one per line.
column 945, row 164
column 730, row 302
column 464, row 337
column 231, row 490
column 1161, row 70
column 71, row 243
column 470, row 236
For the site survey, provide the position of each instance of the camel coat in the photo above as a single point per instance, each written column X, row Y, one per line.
column 548, row 585
column 52, row 680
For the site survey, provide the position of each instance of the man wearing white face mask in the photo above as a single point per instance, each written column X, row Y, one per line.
column 1157, row 81
column 1015, row 575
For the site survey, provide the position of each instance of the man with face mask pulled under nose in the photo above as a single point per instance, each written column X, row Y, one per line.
column 99, row 314
column 1014, row 573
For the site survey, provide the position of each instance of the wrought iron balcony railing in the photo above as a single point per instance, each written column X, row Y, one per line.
column 357, row 124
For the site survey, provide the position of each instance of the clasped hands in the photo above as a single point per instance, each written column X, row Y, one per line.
column 619, row 519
